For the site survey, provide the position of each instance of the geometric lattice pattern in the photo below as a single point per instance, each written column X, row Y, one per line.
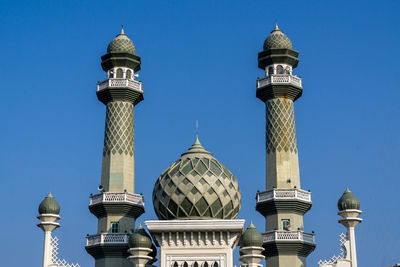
column 277, row 39
column 281, row 129
column 54, row 255
column 118, row 137
column 197, row 188
column 342, row 255
column 121, row 44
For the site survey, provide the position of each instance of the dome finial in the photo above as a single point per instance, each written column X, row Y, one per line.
column 197, row 129
column 276, row 26
column 122, row 30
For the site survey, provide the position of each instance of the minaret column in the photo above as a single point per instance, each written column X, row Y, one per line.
column 283, row 203
column 281, row 149
column 118, row 167
column 117, row 206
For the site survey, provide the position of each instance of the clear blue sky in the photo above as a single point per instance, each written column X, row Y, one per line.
column 199, row 62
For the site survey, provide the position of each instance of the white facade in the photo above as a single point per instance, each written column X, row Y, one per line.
column 196, row 243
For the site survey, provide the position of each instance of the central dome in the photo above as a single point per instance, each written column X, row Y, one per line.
column 196, row 186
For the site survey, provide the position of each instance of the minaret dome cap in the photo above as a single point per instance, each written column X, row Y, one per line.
column 140, row 239
column 251, row 237
column 348, row 201
column 277, row 40
column 121, row 44
column 49, row 206
column 196, row 187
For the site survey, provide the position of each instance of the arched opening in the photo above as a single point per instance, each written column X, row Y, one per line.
column 120, row 73
column 279, row 70
column 129, row 74
column 215, row 264
column 175, row 264
column 205, row 264
column 288, row 70
column 270, row 71
column 196, row 264
column 185, row 264
column 111, row 74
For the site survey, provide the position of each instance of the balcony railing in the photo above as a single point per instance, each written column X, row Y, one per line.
column 283, row 193
column 116, row 197
column 120, row 82
column 273, row 236
column 279, row 79
column 106, row 238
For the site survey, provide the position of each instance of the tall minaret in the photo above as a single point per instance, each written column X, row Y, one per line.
column 117, row 206
column 283, row 203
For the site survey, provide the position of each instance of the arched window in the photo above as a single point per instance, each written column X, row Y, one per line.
column 185, row 264
column 270, row 71
column 196, row 264
column 215, row 264
column 205, row 264
column 279, row 70
column 120, row 73
column 175, row 264
column 288, row 70
column 111, row 74
column 129, row 74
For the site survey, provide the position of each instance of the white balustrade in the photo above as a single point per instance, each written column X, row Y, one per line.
column 115, row 197
column 106, row 238
column 288, row 236
column 284, row 193
column 120, row 82
column 279, row 79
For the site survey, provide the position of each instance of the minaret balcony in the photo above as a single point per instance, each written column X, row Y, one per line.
column 120, row 83
column 116, row 203
column 281, row 241
column 279, row 79
column 107, row 244
column 288, row 236
column 283, row 199
column 106, row 238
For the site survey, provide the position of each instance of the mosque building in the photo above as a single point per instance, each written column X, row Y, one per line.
column 197, row 199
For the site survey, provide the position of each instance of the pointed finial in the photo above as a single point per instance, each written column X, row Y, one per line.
column 276, row 26
column 122, row 30
column 251, row 225
column 197, row 141
column 50, row 195
column 197, row 128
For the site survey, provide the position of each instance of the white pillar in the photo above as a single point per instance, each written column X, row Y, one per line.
column 47, row 249
column 353, row 252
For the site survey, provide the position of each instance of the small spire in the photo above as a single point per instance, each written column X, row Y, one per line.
column 122, row 30
column 50, row 195
column 276, row 26
column 251, row 225
column 197, row 128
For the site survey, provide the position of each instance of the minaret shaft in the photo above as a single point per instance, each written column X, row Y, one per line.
column 118, row 168
column 281, row 149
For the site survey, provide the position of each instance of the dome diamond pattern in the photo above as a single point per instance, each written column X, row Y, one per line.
column 121, row 44
column 281, row 129
column 118, row 137
column 196, row 187
column 277, row 39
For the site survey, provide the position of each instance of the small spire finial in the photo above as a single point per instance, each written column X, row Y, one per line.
column 197, row 129
column 122, row 30
column 276, row 26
